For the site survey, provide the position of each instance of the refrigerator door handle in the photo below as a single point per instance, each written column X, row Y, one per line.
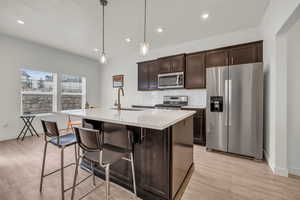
column 229, row 101
column 226, row 102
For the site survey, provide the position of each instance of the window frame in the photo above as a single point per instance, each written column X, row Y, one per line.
column 56, row 90
column 83, row 93
column 53, row 93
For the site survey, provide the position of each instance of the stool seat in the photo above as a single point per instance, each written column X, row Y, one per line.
column 110, row 154
column 64, row 140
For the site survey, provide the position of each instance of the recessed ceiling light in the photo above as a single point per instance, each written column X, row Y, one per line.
column 128, row 40
column 21, row 22
column 96, row 50
column 160, row 30
column 205, row 15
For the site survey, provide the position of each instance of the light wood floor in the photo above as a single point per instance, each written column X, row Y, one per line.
column 216, row 176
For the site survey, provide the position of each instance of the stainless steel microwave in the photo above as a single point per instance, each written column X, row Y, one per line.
column 171, row 80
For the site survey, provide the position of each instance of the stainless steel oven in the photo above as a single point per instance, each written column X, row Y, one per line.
column 171, row 80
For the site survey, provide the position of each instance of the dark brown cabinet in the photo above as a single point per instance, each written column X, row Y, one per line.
column 244, row 54
column 235, row 55
column 160, row 172
column 195, row 72
column 216, row 58
column 143, row 81
column 199, row 126
column 165, row 66
column 172, row 64
column 153, row 71
column 154, row 156
column 194, row 65
column 260, row 52
column 147, row 75
column 178, row 63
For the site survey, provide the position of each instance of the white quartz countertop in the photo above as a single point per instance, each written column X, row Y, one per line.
column 194, row 106
column 150, row 118
column 188, row 106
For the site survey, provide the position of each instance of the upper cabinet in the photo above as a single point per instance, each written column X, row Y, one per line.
column 172, row 64
column 195, row 71
column 216, row 58
column 143, row 80
column 259, row 52
column 153, row 71
column 147, row 75
column 244, row 54
column 165, row 65
column 194, row 65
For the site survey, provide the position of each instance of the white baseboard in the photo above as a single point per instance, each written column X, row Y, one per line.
column 271, row 164
column 281, row 171
column 276, row 170
column 294, row 171
column 8, row 137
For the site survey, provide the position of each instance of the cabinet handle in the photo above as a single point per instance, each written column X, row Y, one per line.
column 143, row 135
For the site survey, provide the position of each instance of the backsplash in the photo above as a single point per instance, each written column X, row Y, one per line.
column 196, row 97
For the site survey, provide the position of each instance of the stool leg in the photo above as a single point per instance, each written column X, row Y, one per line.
column 75, row 177
column 133, row 173
column 93, row 173
column 107, row 182
column 43, row 166
column 62, row 174
column 75, row 152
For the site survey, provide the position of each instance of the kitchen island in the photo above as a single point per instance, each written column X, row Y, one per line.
column 162, row 147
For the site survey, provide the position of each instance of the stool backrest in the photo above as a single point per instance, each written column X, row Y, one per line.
column 50, row 128
column 88, row 139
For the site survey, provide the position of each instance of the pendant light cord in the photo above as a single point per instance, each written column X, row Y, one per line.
column 145, row 21
column 103, row 50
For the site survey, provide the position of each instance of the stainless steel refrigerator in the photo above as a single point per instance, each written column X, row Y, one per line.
column 234, row 114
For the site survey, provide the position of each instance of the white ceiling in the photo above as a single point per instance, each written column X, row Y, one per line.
column 74, row 25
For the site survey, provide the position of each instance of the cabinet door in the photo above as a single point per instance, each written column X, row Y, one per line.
column 143, row 82
column 155, row 163
column 197, row 130
column 153, row 71
column 199, row 126
column 260, row 52
column 165, row 65
column 178, row 63
column 202, row 135
column 195, row 71
column 243, row 54
column 216, row 58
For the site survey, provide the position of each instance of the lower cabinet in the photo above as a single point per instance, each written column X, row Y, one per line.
column 199, row 126
column 152, row 159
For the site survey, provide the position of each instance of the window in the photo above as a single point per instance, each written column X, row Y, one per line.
column 38, row 94
column 73, row 92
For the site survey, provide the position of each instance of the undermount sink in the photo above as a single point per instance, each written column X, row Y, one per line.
column 128, row 109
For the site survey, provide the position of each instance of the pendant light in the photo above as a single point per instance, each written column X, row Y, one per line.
column 144, row 47
column 103, row 57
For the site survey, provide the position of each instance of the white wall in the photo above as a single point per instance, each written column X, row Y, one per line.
column 127, row 65
column 293, row 99
column 16, row 54
column 277, row 14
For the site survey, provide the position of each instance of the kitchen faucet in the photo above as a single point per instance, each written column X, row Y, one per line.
column 120, row 89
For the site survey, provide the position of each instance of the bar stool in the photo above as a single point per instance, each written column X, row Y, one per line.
column 53, row 136
column 94, row 150
column 72, row 123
